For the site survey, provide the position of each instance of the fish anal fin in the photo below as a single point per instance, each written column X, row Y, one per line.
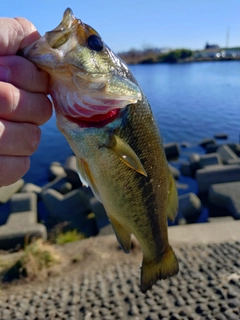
column 86, row 176
column 156, row 270
column 123, row 236
column 126, row 154
column 172, row 204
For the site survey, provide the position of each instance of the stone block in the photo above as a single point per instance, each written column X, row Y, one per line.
column 207, row 141
column 56, row 170
column 175, row 172
column 172, row 150
column 226, row 153
column 189, row 207
column 226, row 195
column 210, row 159
column 21, row 227
column 8, row 191
column 216, row 174
column 70, row 168
column 23, row 202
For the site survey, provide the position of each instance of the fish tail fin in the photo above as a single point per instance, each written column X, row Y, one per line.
column 152, row 271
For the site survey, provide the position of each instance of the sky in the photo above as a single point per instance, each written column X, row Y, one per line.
column 138, row 24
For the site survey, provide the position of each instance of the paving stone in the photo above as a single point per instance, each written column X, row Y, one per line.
column 189, row 207
column 210, row 159
column 20, row 227
column 8, row 191
column 226, row 153
column 216, row 174
column 22, row 202
column 226, row 195
column 56, row 170
column 172, row 150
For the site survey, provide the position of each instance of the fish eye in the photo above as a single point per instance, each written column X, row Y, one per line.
column 95, row 43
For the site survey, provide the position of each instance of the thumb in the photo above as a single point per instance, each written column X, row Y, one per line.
column 15, row 34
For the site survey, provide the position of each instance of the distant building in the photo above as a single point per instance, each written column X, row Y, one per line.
column 211, row 46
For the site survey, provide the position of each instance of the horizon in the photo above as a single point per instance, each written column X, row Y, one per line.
column 167, row 24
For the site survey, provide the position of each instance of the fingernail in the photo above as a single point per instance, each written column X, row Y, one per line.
column 4, row 74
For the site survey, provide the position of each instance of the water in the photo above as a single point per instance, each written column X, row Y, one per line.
column 190, row 101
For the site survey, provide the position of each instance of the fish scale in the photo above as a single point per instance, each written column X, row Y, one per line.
column 107, row 120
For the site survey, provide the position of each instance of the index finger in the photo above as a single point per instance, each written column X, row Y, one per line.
column 16, row 33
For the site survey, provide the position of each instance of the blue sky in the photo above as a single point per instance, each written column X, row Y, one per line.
column 126, row 24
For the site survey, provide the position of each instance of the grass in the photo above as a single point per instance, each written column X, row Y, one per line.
column 35, row 261
column 69, row 236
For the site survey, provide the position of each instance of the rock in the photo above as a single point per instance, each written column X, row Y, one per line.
column 226, row 153
column 216, row 174
column 175, row 172
column 172, row 150
column 30, row 187
column 186, row 169
column 190, row 207
column 56, row 170
column 70, row 168
column 221, row 136
column 8, row 191
column 227, row 196
column 22, row 202
column 60, row 184
column 210, row 159
column 21, row 227
column 207, row 141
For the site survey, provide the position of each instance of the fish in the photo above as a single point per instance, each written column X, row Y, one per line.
column 107, row 120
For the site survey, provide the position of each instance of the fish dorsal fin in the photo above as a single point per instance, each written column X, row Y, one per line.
column 123, row 236
column 126, row 154
column 172, row 206
column 86, row 177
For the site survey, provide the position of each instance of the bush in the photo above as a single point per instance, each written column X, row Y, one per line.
column 69, row 236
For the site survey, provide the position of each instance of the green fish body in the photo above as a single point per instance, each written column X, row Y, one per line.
column 109, row 125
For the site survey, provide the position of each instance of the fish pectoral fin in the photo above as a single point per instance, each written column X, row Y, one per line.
column 126, row 154
column 152, row 270
column 86, row 177
column 123, row 236
column 172, row 204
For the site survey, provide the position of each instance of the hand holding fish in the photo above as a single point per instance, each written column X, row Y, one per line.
column 24, row 104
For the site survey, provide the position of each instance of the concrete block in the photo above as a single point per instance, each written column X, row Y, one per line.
column 226, row 195
column 216, row 174
column 189, row 207
column 172, row 150
column 21, row 227
column 23, row 202
column 235, row 147
column 226, row 153
column 56, row 170
column 207, row 141
column 30, row 187
column 186, row 169
column 70, row 168
column 194, row 159
column 211, row 148
column 175, row 172
column 8, row 191
column 210, row 159
column 233, row 161
column 221, row 136
column 60, row 184
column 100, row 213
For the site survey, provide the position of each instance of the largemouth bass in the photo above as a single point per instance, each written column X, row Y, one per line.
column 107, row 120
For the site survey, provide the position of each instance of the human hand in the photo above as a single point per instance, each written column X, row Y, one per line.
column 24, row 104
